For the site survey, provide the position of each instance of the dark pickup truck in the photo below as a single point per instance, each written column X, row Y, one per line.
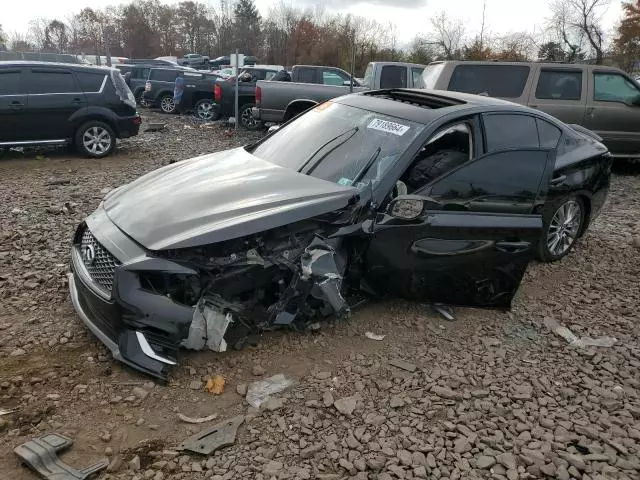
column 225, row 93
column 197, row 97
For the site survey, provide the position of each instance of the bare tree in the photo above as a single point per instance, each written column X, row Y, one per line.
column 448, row 35
column 484, row 13
column 577, row 22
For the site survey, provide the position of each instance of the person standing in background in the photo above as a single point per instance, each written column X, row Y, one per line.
column 178, row 91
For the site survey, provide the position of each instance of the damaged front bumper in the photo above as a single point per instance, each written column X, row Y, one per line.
column 140, row 328
column 115, row 291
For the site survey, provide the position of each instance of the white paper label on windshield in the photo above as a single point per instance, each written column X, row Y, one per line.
column 389, row 127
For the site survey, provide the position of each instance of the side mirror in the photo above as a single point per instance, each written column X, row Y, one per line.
column 410, row 207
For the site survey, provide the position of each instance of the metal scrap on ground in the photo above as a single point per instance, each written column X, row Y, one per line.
column 208, row 441
column 575, row 341
column 373, row 336
column 259, row 392
column 41, row 455
column 186, row 419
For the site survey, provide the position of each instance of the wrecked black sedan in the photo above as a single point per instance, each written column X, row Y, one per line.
column 434, row 196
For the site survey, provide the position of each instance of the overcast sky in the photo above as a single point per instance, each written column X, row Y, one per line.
column 410, row 16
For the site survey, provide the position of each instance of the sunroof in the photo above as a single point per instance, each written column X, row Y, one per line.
column 419, row 99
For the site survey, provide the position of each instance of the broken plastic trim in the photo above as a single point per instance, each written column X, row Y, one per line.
column 149, row 352
column 208, row 327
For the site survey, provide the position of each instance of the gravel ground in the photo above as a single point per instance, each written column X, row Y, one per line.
column 489, row 395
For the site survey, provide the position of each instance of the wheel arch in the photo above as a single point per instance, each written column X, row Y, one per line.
column 297, row 107
column 98, row 114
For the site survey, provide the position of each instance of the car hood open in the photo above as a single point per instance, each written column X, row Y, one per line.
column 218, row 197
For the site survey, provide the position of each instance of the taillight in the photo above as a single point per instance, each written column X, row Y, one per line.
column 147, row 86
column 217, row 93
column 258, row 95
column 137, row 120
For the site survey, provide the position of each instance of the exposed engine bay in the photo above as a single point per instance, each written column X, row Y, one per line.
column 290, row 276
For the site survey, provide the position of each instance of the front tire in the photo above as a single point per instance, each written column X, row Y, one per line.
column 246, row 117
column 95, row 139
column 562, row 222
column 206, row 110
column 167, row 105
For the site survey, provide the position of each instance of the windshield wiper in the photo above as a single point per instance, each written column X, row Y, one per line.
column 366, row 168
column 353, row 131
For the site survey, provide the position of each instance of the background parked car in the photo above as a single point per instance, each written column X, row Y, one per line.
column 54, row 104
column 225, row 93
column 281, row 101
column 603, row 99
column 158, row 89
column 136, row 77
column 194, row 60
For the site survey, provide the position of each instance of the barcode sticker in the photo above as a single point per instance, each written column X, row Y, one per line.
column 389, row 127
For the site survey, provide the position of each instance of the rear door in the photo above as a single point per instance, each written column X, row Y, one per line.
column 561, row 92
column 613, row 111
column 470, row 256
column 54, row 96
column 13, row 106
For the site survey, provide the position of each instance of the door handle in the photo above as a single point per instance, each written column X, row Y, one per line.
column 16, row 105
column 76, row 100
column 513, row 247
column 558, row 180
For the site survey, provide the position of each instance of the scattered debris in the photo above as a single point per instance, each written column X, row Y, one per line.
column 208, row 441
column 259, row 392
column 186, row 419
column 7, row 411
column 61, row 181
column 41, row 455
column 215, row 385
column 402, row 365
column 373, row 336
column 444, row 310
column 576, row 341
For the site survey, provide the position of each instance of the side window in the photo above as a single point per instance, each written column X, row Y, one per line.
column 331, row 78
column 510, row 131
column 269, row 75
column 548, row 134
column 140, row 73
column 416, row 76
column 164, row 75
column 393, row 76
column 10, row 83
column 447, row 149
column 613, row 87
column 499, row 178
column 90, row 82
column 559, row 85
column 506, row 81
column 306, row 75
column 51, row 81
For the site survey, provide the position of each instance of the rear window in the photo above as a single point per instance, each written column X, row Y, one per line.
column 368, row 73
column 559, row 85
column 51, row 81
column 163, row 75
column 10, row 82
column 122, row 89
column 506, row 81
column 306, row 75
column 90, row 82
column 393, row 76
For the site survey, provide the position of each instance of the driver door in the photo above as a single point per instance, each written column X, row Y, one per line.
column 466, row 244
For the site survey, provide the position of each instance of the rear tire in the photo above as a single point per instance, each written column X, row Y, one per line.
column 95, row 139
column 246, row 117
column 167, row 105
column 562, row 223
column 206, row 110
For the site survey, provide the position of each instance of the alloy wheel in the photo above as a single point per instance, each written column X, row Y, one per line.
column 564, row 228
column 167, row 105
column 204, row 111
column 96, row 140
column 247, row 120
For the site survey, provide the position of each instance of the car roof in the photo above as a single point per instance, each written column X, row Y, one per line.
column 74, row 66
column 425, row 106
column 550, row 65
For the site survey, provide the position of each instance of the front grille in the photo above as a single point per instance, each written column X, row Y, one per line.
column 100, row 264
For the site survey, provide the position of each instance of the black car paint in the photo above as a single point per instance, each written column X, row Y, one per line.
column 197, row 86
column 58, row 116
column 478, row 256
column 246, row 91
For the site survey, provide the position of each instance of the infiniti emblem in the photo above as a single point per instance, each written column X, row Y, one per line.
column 88, row 254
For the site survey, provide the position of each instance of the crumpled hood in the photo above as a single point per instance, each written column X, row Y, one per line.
column 218, row 197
